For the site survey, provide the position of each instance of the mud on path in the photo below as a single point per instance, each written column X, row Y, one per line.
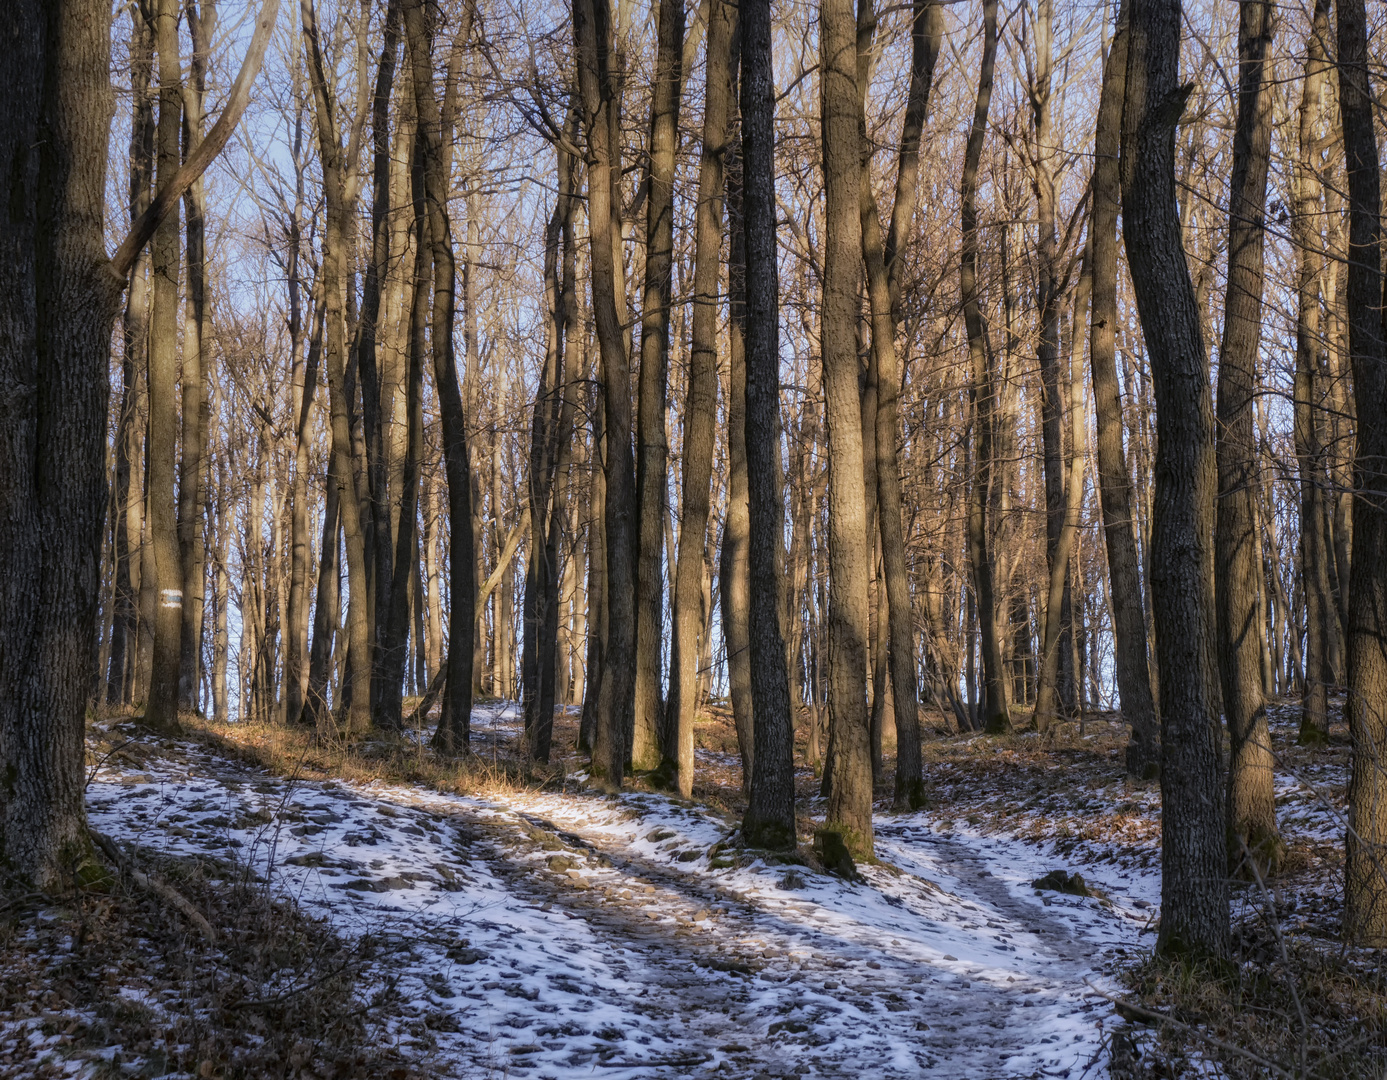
column 558, row 935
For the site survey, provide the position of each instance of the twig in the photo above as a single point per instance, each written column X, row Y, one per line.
column 1162, row 1018
column 155, row 884
column 107, row 757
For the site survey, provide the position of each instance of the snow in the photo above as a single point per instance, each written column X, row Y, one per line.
column 553, row 934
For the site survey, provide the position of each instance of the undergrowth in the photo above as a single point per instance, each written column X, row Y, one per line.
column 120, row 983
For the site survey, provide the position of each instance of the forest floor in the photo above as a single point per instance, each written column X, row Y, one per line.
column 489, row 926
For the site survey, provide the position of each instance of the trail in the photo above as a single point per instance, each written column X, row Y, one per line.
column 570, row 934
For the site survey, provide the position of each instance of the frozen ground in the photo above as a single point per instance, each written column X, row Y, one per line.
column 571, row 934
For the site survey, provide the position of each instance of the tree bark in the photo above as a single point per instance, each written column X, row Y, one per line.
column 770, row 816
column 652, row 442
column 339, row 169
column 1365, row 892
column 1316, row 553
column 700, row 410
column 1238, row 583
column 1194, row 891
column 161, row 711
column 1130, row 654
column 121, row 683
column 850, row 788
column 600, row 98
column 996, row 717
column 734, row 593
column 883, row 288
column 453, row 734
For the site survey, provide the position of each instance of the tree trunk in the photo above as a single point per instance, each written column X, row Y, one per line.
column 598, row 79
column 1130, row 655
column 1194, row 891
column 700, row 411
column 338, row 199
column 996, row 718
column 453, row 734
column 850, row 794
column 197, row 354
column 883, row 287
column 57, row 307
column 161, row 711
column 1316, row 554
column 652, row 442
column 1238, row 582
column 770, row 814
column 1365, row 892
column 734, row 593
column 121, row 686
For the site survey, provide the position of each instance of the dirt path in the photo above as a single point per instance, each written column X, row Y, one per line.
column 566, row 935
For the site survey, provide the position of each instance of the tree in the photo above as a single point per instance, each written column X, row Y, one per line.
column 1237, row 551
column 1114, row 480
column 59, row 299
column 1365, row 891
column 850, row 758
column 996, row 716
column 884, row 295
column 1194, row 891
column 770, row 814
column 700, row 411
column 601, row 117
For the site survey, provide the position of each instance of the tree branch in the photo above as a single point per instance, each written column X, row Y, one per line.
column 166, row 199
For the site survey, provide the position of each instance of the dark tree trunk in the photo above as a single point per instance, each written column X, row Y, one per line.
column 379, row 547
column 1194, row 890
column 197, row 354
column 1365, row 892
column 770, row 815
column 454, row 725
column 57, row 307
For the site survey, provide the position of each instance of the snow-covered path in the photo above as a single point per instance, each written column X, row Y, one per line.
column 558, row 935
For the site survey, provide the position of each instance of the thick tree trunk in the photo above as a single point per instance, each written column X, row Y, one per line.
column 770, row 817
column 700, row 411
column 1365, row 892
column 1237, row 550
column 850, row 789
column 1194, row 891
column 57, row 307
column 652, row 442
column 161, row 711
